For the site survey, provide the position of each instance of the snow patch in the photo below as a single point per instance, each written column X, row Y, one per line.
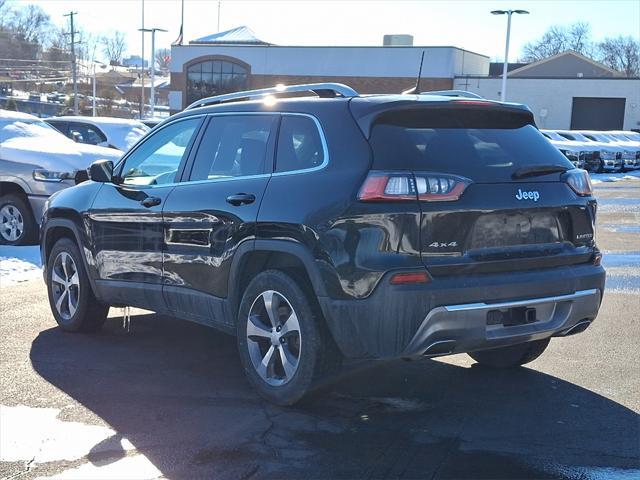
column 614, row 177
column 28, row 433
column 19, row 264
column 621, row 228
column 127, row 468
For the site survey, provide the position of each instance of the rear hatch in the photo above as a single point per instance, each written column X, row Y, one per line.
column 492, row 191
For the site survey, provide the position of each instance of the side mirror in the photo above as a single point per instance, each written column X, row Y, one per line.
column 101, row 171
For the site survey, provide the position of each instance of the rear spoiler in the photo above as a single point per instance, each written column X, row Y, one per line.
column 366, row 110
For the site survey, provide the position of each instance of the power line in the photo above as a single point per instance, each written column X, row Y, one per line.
column 35, row 80
column 32, row 61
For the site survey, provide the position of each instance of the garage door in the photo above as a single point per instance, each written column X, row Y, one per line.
column 590, row 113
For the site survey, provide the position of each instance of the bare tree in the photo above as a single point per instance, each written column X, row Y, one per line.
column 557, row 39
column 621, row 53
column 31, row 23
column 163, row 58
column 113, row 46
column 3, row 12
column 57, row 48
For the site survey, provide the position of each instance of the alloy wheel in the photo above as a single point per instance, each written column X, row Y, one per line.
column 11, row 223
column 273, row 338
column 65, row 285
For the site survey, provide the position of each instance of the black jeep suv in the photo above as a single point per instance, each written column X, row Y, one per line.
column 335, row 225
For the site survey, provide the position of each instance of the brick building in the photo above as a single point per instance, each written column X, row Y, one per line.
column 236, row 60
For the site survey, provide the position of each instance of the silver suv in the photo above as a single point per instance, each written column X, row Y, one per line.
column 36, row 161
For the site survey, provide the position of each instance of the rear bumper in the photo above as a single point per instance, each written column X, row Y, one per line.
column 406, row 321
column 463, row 328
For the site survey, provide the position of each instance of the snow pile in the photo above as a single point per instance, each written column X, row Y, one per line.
column 19, row 264
column 614, row 177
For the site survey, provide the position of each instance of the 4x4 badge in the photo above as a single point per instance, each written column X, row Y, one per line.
column 443, row 244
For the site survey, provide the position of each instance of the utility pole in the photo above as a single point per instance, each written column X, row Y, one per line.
column 219, row 3
column 74, row 73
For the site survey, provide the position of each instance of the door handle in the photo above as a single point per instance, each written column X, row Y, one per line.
column 151, row 202
column 241, row 199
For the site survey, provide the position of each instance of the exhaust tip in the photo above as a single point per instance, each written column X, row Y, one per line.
column 579, row 327
column 442, row 347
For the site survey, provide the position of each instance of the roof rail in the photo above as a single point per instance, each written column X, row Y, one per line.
column 324, row 90
column 452, row 93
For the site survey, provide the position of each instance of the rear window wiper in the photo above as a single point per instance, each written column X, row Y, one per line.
column 536, row 170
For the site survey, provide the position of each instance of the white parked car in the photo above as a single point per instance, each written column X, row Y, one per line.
column 36, row 160
column 110, row 132
column 629, row 140
column 627, row 155
column 574, row 150
column 610, row 155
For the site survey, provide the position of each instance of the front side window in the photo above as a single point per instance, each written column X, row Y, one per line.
column 299, row 144
column 215, row 77
column 233, row 146
column 156, row 161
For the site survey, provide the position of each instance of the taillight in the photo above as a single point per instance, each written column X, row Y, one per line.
column 579, row 181
column 408, row 278
column 429, row 187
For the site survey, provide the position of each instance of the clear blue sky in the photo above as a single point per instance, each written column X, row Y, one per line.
column 462, row 23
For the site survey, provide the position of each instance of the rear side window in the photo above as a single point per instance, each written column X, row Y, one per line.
column 233, row 146
column 299, row 144
column 85, row 133
column 485, row 146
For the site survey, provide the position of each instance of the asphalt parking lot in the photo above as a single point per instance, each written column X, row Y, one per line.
column 169, row 399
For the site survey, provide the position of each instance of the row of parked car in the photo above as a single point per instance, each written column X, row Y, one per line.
column 598, row 151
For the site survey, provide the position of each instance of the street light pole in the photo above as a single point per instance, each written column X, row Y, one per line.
column 142, row 30
column 152, row 100
column 503, row 92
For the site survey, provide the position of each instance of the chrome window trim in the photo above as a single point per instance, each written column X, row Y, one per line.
column 323, row 140
column 218, row 180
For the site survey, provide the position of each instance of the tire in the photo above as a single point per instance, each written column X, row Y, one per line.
column 17, row 225
column 73, row 304
column 305, row 347
column 511, row 356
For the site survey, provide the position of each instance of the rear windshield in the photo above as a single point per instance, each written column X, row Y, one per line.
column 480, row 145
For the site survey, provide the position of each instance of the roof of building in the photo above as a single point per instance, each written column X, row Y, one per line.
column 569, row 64
column 236, row 36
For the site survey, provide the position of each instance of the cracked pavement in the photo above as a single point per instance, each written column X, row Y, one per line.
column 169, row 400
